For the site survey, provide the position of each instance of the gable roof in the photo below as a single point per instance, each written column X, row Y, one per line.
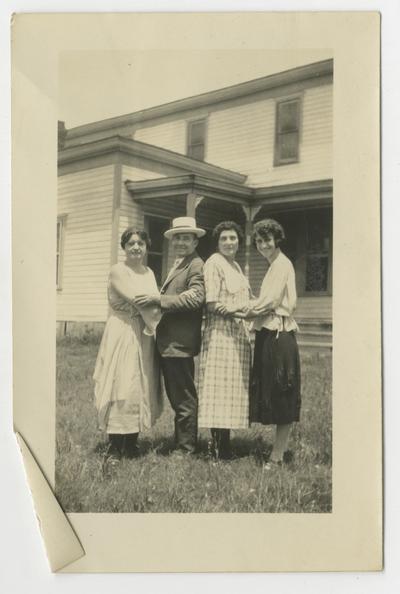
column 317, row 71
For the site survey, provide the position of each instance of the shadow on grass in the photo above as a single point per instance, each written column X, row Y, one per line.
column 242, row 447
column 101, row 448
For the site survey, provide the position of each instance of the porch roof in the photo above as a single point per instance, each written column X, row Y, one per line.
column 302, row 194
column 155, row 154
column 314, row 193
column 182, row 185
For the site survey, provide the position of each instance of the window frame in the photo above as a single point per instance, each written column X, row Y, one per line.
column 189, row 125
column 321, row 253
column 61, row 220
column 278, row 160
column 165, row 251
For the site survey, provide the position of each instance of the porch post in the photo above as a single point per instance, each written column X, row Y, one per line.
column 192, row 202
column 250, row 212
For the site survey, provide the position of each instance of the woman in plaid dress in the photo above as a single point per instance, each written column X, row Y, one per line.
column 225, row 355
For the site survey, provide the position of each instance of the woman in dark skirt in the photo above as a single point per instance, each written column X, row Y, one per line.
column 275, row 380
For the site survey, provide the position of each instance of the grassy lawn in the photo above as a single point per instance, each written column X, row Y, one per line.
column 155, row 482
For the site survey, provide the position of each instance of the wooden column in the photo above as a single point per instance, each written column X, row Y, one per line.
column 250, row 212
column 116, row 208
column 192, row 202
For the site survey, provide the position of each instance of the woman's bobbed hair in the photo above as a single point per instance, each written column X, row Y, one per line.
column 227, row 226
column 127, row 234
column 267, row 227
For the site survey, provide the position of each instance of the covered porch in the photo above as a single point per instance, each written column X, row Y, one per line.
column 304, row 210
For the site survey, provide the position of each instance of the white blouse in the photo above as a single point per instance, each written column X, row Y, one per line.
column 277, row 295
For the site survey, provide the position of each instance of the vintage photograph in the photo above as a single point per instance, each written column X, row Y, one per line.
column 194, row 281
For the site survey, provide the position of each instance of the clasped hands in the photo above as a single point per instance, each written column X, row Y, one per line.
column 143, row 300
column 225, row 310
column 245, row 312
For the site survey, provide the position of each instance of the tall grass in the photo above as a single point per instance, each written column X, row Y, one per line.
column 156, row 482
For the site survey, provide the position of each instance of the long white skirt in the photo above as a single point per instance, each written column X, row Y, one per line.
column 127, row 377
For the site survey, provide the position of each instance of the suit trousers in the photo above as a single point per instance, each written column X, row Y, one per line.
column 178, row 375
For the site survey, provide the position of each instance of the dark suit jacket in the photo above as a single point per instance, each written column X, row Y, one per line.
column 182, row 298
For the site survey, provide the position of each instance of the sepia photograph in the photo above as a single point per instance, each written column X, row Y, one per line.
column 196, row 297
column 194, row 281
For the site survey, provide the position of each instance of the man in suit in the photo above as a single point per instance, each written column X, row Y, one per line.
column 179, row 331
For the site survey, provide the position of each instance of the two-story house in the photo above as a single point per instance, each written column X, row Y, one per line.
column 258, row 149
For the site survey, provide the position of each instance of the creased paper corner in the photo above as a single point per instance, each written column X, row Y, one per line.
column 61, row 543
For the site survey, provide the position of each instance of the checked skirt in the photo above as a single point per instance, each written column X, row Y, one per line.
column 224, row 374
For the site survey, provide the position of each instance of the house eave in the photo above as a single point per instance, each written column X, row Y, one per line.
column 319, row 70
column 146, row 151
column 308, row 187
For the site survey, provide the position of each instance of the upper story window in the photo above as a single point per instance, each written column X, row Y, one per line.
column 196, row 139
column 287, row 131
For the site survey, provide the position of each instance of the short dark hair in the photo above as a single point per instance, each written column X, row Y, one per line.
column 227, row 226
column 267, row 227
column 127, row 234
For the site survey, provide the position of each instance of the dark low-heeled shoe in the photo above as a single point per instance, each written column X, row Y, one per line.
column 288, row 456
column 131, row 452
column 271, row 464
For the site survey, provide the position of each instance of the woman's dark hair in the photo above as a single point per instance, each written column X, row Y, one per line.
column 227, row 226
column 127, row 234
column 268, row 227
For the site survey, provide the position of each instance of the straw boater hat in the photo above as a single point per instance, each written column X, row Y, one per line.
column 184, row 225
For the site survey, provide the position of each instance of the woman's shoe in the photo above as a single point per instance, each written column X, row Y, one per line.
column 225, row 451
column 132, row 452
column 288, row 456
column 131, row 449
column 271, row 464
column 221, row 445
column 115, row 446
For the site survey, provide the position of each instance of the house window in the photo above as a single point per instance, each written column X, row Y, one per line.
column 59, row 249
column 319, row 233
column 157, row 254
column 196, row 143
column 287, row 132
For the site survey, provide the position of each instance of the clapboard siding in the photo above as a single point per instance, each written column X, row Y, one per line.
column 314, row 307
column 86, row 200
column 169, row 135
column 242, row 138
column 131, row 213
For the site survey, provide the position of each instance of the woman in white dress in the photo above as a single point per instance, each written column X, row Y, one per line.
column 225, row 355
column 275, row 383
column 127, row 377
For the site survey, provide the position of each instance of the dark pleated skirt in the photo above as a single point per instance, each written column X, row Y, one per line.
column 275, row 397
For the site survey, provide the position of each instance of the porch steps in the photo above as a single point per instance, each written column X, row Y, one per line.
column 315, row 333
